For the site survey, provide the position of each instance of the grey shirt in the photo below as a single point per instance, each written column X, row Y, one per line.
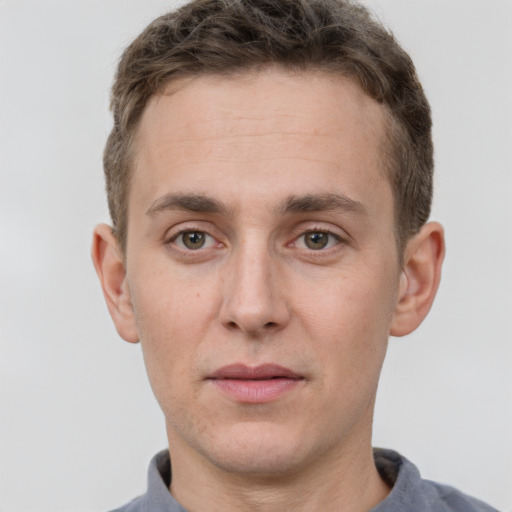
column 409, row 493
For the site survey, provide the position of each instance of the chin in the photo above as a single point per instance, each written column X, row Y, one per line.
column 257, row 451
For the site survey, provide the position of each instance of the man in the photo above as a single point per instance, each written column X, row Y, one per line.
column 269, row 178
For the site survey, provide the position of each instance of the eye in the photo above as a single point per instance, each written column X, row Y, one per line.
column 193, row 240
column 317, row 240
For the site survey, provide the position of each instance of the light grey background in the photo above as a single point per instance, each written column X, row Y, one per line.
column 78, row 421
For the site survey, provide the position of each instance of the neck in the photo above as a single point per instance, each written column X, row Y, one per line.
column 344, row 482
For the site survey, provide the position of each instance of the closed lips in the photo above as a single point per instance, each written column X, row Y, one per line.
column 261, row 372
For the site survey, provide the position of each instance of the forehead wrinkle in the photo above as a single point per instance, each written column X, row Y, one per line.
column 232, row 126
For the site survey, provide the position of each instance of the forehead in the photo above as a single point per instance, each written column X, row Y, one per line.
column 252, row 129
column 272, row 99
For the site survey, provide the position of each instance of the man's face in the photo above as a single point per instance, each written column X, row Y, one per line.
column 262, row 266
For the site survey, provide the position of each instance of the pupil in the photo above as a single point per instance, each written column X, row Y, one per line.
column 194, row 240
column 316, row 240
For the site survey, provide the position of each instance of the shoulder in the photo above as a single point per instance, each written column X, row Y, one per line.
column 133, row 506
column 411, row 492
column 157, row 497
column 452, row 499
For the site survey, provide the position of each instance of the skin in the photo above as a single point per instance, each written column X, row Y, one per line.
column 258, row 165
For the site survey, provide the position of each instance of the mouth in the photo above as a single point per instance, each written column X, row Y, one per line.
column 259, row 384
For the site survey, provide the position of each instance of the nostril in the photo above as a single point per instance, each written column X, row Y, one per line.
column 270, row 324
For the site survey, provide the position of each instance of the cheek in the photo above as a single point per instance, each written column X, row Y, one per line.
column 171, row 318
column 349, row 321
column 169, row 305
column 352, row 308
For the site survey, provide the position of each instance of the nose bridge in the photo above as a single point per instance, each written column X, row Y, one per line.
column 253, row 302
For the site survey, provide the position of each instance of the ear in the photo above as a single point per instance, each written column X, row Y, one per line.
column 419, row 279
column 110, row 268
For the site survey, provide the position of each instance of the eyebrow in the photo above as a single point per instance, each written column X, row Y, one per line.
column 293, row 204
column 187, row 202
column 323, row 202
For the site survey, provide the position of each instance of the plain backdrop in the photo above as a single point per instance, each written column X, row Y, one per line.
column 78, row 422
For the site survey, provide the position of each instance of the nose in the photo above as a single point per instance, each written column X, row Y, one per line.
column 254, row 301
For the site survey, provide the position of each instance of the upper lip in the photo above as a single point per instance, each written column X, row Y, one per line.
column 261, row 372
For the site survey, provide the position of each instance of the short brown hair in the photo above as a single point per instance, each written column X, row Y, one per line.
column 225, row 36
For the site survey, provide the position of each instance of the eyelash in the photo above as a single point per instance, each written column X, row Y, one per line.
column 333, row 240
column 182, row 246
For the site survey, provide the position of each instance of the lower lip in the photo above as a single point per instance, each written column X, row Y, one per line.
column 256, row 391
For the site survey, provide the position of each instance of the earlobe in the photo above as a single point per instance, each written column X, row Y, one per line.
column 420, row 278
column 110, row 268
